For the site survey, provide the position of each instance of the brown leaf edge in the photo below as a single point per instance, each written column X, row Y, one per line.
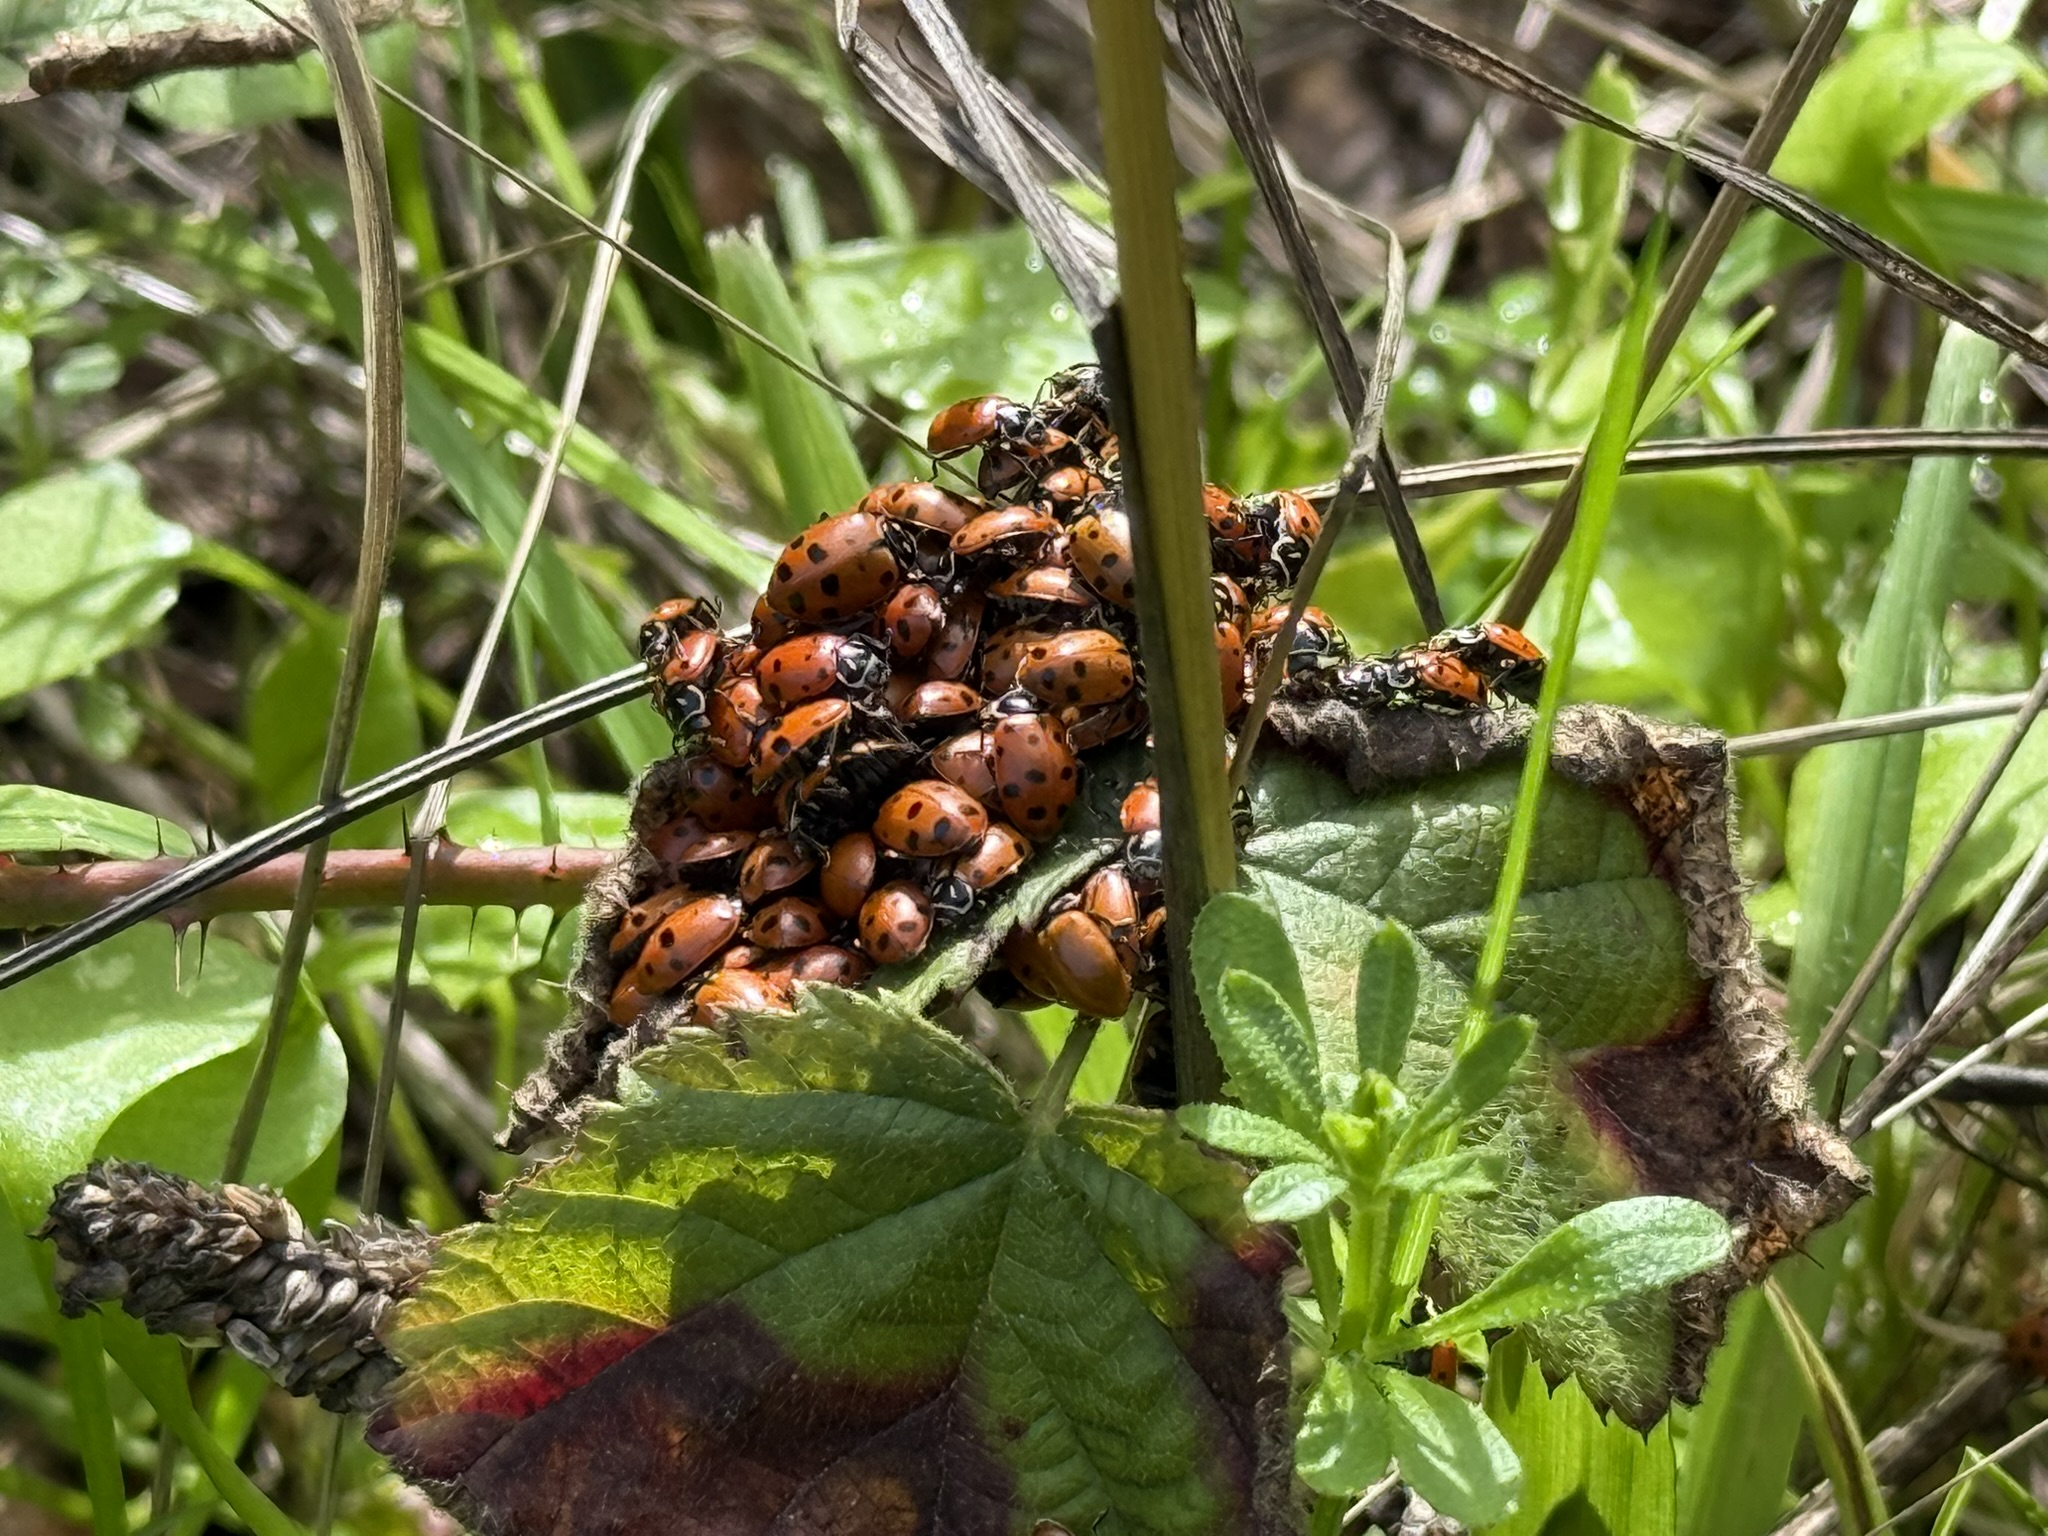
column 121, row 57
column 1717, row 1109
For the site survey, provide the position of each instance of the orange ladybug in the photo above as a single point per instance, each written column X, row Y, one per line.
column 912, row 618
column 1015, row 535
column 929, row 819
column 774, row 865
column 806, row 666
column 719, row 798
column 734, row 717
column 1005, row 652
column 834, row 570
column 1230, row 672
column 1081, row 668
column 1069, row 485
column 1508, row 660
column 799, row 741
column 1043, row 586
column 968, row 761
column 895, row 922
column 968, row 424
column 919, row 502
column 680, row 681
column 675, row 951
column 847, row 874
column 1101, row 554
column 669, row 622
column 1140, row 809
column 1084, row 967
column 794, row 922
column 937, row 703
column 641, row 918
column 1091, row 728
column 1037, row 774
column 685, row 845
column 952, row 651
column 1002, row 851
column 826, row 964
column 727, row 993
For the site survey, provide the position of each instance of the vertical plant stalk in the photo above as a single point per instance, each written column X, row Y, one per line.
column 432, row 817
column 1606, row 455
column 1724, row 216
column 85, row 1381
column 362, row 142
column 1147, row 343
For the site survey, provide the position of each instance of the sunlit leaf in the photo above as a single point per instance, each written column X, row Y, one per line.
column 846, row 1271
column 89, row 569
column 36, row 819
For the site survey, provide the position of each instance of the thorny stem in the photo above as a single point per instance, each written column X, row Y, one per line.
column 46, row 895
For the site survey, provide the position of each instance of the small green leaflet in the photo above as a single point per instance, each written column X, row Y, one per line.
column 835, row 1272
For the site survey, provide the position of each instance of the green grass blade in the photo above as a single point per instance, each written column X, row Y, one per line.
column 496, row 397
column 85, row 1379
column 1605, row 455
column 1739, row 1452
column 1147, row 344
column 1859, row 1500
column 813, row 451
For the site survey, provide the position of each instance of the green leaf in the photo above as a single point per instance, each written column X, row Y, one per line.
column 1346, row 1437
column 1590, row 184
column 2012, row 824
column 1236, row 932
column 89, row 569
column 510, row 818
column 848, row 1244
column 1267, row 1051
column 1612, row 1251
column 1469, row 1172
column 1688, row 608
column 1384, row 1011
column 1882, row 99
column 1293, row 1192
column 1448, row 1450
column 1598, row 953
column 579, row 641
column 182, row 1125
column 34, row 819
column 805, row 427
column 291, row 695
column 251, row 95
column 932, row 320
column 1595, row 1474
column 1231, row 1129
column 1476, row 1078
column 1970, row 227
column 86, row 1040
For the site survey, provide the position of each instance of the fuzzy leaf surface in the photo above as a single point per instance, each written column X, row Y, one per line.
column 1612, row 1251
column 842, row 1276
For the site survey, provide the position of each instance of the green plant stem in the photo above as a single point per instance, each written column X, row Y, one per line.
column 92, row 1415
column 1319, row 1253
column 162, row 1381
column 1147, row 343
column 1050, row 1102
column 1606, row 455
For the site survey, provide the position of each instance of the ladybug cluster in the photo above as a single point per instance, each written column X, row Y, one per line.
column 908, row 716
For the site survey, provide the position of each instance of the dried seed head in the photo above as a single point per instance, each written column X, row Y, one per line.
column 236, row 1266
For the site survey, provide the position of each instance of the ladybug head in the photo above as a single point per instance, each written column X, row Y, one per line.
column 952, row 898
